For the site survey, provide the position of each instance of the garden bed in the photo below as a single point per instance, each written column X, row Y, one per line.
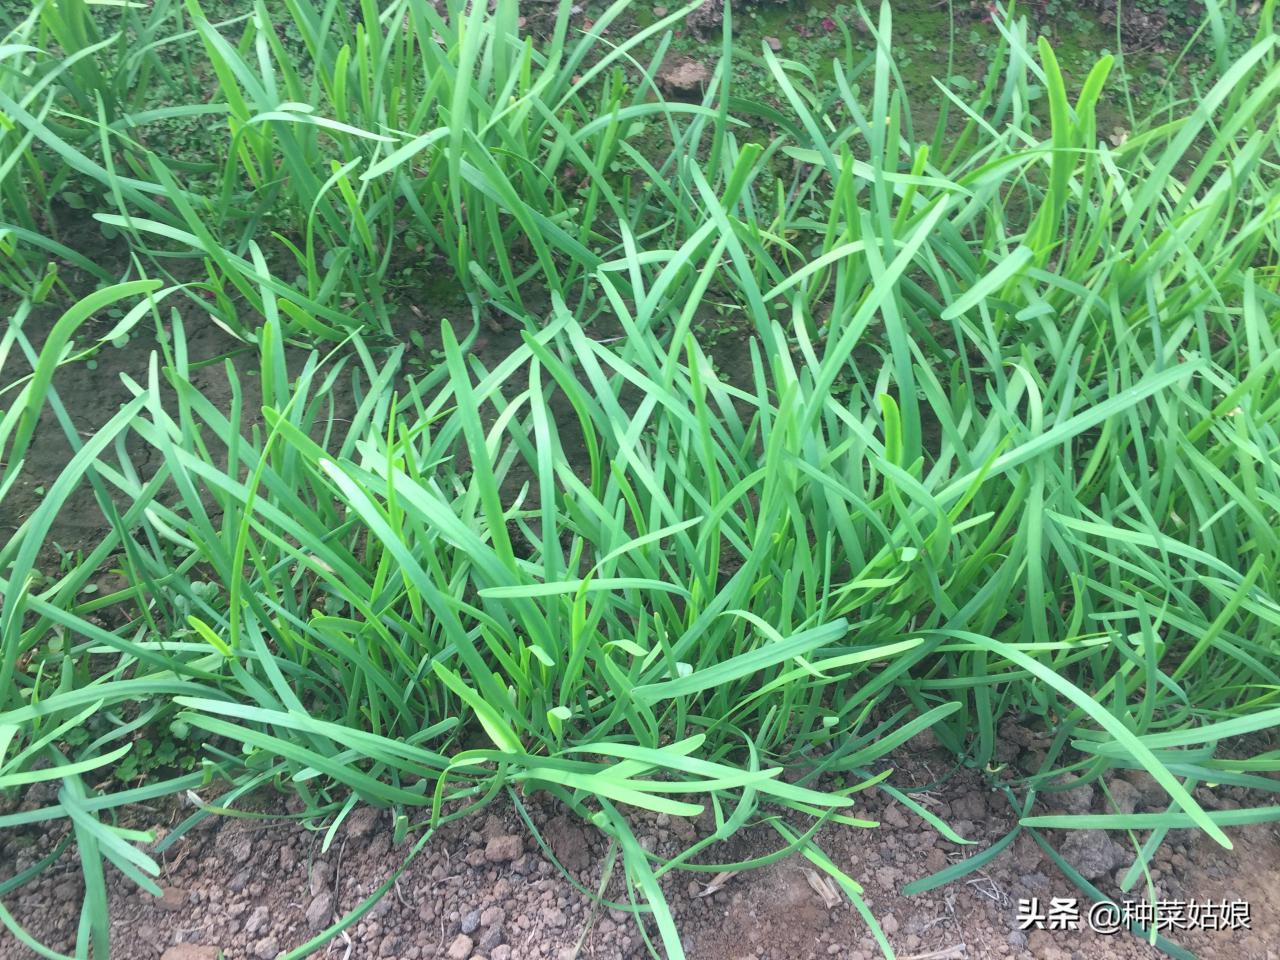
column 601, row 480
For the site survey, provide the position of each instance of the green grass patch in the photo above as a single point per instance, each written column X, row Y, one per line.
column 998, row 441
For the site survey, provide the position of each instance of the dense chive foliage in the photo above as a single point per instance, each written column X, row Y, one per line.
column 1000, row 440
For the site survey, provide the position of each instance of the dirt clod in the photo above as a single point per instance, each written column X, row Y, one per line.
column 1077, row 800
column 319, row 911
column 241, row 850
column 491, row 937
column 172, row 899
column 361, row 823
column 706, row 18
column 190, row 951
column 1151, row 796
column 1092, row 852
column 258, row 920
column 1124, row 796
column 503, row 849
column 894, row 817
column 683, row 77
column 568, row 842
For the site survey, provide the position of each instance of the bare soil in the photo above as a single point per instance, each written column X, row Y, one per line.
column 486, row 887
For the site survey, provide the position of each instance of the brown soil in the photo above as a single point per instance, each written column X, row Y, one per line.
column 485, row 888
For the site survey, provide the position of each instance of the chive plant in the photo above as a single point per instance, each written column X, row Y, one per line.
column 1000, row 444
column 408, row 135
